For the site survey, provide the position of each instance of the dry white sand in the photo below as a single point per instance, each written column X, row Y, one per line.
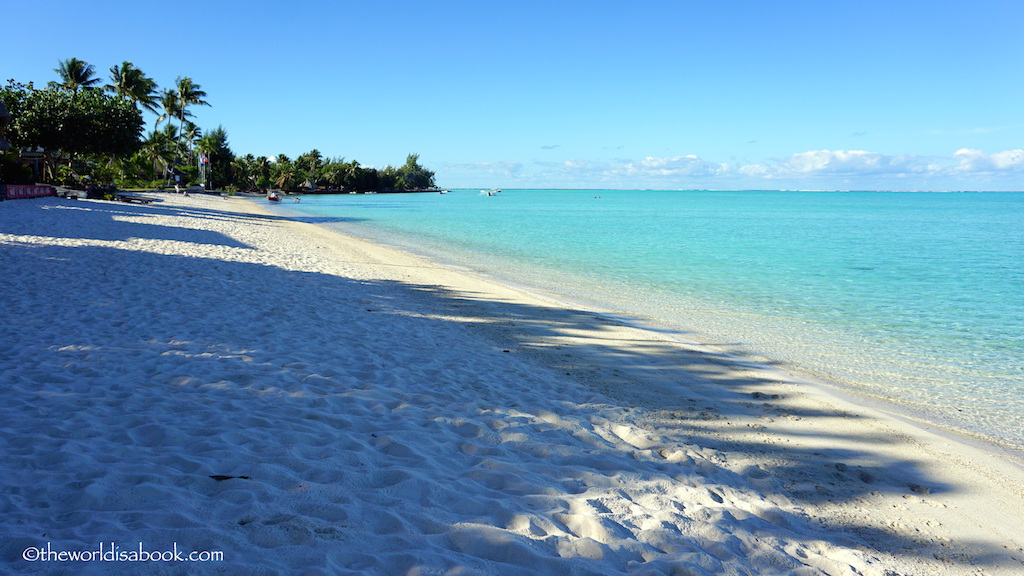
column 378, row 414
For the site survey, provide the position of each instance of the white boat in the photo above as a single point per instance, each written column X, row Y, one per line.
column 490, row 192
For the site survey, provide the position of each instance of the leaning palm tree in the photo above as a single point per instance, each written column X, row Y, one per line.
column 284, row 179
column 169, row 103
column 189, row 94
column 130, row 83
column 75, row 74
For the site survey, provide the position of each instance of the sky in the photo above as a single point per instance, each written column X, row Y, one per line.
column 709, row 94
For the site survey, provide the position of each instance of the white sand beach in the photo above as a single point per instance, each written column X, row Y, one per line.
column 196, row 374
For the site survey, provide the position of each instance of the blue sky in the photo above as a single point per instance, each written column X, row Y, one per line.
column 897, row 95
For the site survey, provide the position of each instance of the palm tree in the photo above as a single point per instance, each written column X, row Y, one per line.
column 169, row 103
column 219, row 157
column 261, row 169
column 129, row 167
column 283, row 172
column 353, row 175
column 189, row 94
column 331, row 174
column 241, row 170
column 75, row 74
column 158, row 149
column 130, row 83
column 284, row 178
column 313, row 158
column 190, row 135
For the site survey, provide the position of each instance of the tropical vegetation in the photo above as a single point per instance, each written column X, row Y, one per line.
column 78, row 131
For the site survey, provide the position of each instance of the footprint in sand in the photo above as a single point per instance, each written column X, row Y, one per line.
column 756, row 473
column 918, row 489
column 863, row 475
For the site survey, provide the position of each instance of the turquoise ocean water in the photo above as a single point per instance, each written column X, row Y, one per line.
column 915, row 299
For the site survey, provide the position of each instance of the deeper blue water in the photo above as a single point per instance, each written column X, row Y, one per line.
column 916, row 299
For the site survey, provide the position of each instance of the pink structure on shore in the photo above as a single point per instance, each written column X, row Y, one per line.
column 17, row 191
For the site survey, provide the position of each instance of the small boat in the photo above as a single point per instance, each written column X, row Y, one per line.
column 491, row 192
column 273, row 197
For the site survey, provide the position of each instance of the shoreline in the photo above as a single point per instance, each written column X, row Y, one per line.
column 490, row 388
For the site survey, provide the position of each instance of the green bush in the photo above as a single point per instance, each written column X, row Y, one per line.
column 14, row 172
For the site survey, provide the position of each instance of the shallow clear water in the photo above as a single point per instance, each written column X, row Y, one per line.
column 915, row 298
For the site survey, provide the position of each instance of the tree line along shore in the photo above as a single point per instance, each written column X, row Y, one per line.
column 78, row 131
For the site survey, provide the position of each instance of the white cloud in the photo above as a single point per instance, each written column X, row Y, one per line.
column 835, row 168
column 832, row 162
column 840, row 163
column 677, row 166
column 963, row 162
column 977, row 161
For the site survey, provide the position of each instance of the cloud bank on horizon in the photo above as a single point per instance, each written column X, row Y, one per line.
column 964, row 169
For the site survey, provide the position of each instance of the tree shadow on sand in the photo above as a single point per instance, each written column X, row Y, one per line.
column 113, row 221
